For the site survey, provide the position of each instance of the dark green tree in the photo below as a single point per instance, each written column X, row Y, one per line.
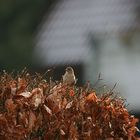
column 19, row 20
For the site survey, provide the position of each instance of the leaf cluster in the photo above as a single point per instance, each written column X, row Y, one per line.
column 33, row 109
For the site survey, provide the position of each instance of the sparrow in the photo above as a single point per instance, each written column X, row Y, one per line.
column 69, row 76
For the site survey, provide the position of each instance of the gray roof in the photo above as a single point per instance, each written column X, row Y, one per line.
column 64, row 37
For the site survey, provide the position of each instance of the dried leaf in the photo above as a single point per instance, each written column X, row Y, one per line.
column 37, row 97
column 62, row 132
column 69, row 105
column 91, row 97
column 9, row 105
column 32, row 120
column 25, row 94
column 48, row 109
column 71, row 93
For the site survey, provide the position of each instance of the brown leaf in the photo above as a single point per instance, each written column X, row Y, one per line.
column 9, row 105
column 32, row 120
column 49, row 111
column 37, row 97
column 25, row 94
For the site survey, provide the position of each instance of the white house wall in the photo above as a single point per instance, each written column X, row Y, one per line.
column 122, row 66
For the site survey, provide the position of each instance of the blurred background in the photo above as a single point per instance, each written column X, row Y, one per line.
column 93, row 36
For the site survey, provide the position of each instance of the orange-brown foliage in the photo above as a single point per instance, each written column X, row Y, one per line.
column 31, row 108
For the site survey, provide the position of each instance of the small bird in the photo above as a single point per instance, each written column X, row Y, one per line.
column 69, row 76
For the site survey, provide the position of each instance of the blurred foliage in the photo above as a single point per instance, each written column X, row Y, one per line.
column 18, row 22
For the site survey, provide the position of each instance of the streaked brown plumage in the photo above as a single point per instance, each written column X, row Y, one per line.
column 69, row 76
